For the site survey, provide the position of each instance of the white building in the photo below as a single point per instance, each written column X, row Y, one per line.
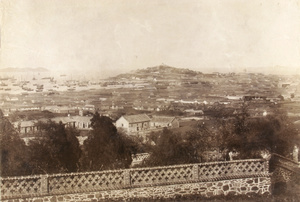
column 134, row 123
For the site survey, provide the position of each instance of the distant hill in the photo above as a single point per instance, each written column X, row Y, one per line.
column 167, row 69
column 159, row 71
column 12, row 69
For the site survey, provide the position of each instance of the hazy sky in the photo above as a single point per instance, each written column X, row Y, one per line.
column 108, row 37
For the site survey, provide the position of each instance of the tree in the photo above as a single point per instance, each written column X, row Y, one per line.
column 170, row 149
column 285, row 135
column 250, row 136
column 55, row 150
column 201, row 138
column 106, row 148
column 13, row 150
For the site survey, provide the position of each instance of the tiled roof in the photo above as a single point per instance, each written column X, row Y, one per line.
column 62, row 119
column 137, row 118
column 81, row 118
column 162, row 119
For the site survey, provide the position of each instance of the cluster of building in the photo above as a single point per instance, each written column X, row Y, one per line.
column 142, row 122
column 129, row 123
column 79, row 122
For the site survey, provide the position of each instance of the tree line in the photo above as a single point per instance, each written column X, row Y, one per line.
column 56, row 148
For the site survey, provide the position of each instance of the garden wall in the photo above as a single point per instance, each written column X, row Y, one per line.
column 206, row 179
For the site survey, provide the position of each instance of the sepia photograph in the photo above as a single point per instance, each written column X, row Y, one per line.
column 149, row 100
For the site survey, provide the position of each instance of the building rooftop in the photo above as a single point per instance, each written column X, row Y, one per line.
column 81, row 118
column 62, row 119
column 137, row 118
column 162, row 119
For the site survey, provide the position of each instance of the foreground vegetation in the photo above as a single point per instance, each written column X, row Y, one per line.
column 56, row 149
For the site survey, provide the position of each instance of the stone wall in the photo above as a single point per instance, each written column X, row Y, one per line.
column 149, row 179
column 284, row 169
column 252, row 185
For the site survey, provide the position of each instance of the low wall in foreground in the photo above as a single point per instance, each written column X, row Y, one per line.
column 257, row 185
column 206, row 179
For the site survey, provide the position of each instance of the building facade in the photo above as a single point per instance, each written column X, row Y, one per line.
column 164, row 121
column 142, row 122
column 79, row 122
column 134, row 123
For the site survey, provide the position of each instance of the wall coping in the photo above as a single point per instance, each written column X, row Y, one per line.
column 132, row 169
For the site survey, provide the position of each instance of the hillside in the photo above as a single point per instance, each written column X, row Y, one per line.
column 162, row 71
column 166, row 69
column 178, row 80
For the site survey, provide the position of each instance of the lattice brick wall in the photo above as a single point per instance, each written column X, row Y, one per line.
column 231, row 168
column 18, row 186
column 285, row 169
column 139, row 177
column 86, row 181
column 150, row 176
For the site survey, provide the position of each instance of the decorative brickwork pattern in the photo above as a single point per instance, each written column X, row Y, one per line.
column 161, row 175
column 258, row 185
column 129, row 178
column 232, row 168
column 139, row 158
column 85, row 181
column 16, row 186
column 286, row 170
